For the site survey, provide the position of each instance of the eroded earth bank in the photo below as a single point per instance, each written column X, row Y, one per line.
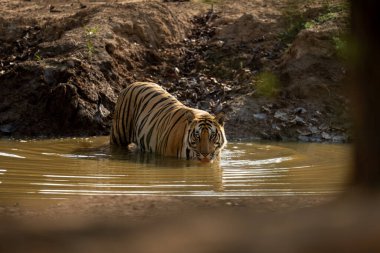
column 276, row 68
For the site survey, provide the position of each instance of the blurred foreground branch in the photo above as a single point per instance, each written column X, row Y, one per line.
column 365, row 57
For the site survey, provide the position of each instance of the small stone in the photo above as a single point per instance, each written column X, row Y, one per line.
column 213, row 79
column 323, row 127
column 49, row 75
column 7, row 128
column 266, row 109
column 339, row 138
column 300, row 110
column 260, row 116
column 281, row 116
column 220, row 43
column 303, row 138
column 177, row 71
column 304, row 133
column 326, row 136
column 104, row 112
column 313, row 129
column 203, row 105
column 71, row 63
column 298, row 120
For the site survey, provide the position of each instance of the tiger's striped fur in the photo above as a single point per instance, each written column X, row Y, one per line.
column 148, row 116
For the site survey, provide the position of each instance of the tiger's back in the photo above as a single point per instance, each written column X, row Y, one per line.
column 147, row 115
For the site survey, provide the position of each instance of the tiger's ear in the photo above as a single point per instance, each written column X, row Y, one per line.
column 189, row 116
column 220, row 118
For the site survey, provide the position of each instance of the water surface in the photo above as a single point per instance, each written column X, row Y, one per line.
column 66, row 168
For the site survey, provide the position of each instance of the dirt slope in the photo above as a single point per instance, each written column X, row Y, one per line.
column 273, row 68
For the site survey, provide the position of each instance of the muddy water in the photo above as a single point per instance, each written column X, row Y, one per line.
column 65, row 168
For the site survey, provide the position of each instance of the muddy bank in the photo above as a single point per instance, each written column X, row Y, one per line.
column 245, row 225
column 276, row 70
column 139, row 209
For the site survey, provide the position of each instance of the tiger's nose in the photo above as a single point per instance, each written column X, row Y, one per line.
column 205, row 160
column 205, row 157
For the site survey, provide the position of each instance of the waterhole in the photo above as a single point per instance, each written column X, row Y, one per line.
column 66, row 168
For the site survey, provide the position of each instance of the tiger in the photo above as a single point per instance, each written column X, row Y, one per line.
column 149, row 117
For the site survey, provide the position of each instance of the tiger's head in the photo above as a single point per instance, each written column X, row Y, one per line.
column 206, row 137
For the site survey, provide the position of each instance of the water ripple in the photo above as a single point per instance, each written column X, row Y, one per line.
column 11, row 155
column 65, row 168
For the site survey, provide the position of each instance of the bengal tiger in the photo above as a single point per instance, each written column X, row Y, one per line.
column 155, row 121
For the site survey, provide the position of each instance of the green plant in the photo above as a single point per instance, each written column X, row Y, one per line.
column 267, row 84
column 90, row 35
column 296, row 21
column 37, row 56
column 344, row 47
column 324, row 17
column 90, row 48
column 91, row 31
column 296, row 24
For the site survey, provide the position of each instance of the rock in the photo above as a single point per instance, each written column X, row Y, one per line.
column 298, row 120
column 103, row 111
column 50, row 75
column 281, row 116
column 326, row 136
column 260, row 116
column 304, row 133
column 313, row 129
column 266, row 108
column 7, row 128
column 300, row 110
column 276, row 127
column 339, row 138
column 204, row 105
column 303, row 138
column 177, row 71
column 323, row 127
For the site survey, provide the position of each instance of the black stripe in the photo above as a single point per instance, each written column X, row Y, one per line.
column 125, row 120
column 136, row 111
column 171, row 128
column 149, row 135
column 143, row 122
column 120, row 118
column 158, row 119
column 147, row 114
column 142, row 145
